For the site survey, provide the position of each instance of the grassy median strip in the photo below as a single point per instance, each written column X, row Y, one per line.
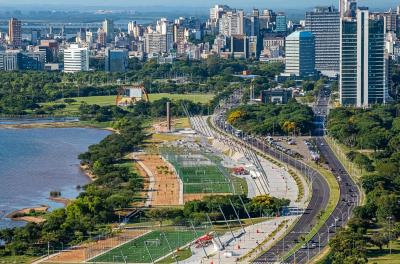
column 339, row 150
column 323, row 217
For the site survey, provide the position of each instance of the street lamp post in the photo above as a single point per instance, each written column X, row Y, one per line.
column 390, row 235
column 328, row 231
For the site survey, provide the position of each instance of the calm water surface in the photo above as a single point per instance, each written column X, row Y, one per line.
column 34, row 162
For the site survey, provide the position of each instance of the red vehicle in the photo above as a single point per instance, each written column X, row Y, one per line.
column 204, row 240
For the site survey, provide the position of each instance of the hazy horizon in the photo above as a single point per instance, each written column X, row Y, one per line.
column 288, row 4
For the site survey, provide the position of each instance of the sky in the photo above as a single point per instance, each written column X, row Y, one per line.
column 282, row 4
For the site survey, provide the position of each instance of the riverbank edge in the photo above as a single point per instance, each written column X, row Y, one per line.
column 79, row 124
column 84, row 168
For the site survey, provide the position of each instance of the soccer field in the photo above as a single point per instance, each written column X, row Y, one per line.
column 135, row 251
column 204, row 179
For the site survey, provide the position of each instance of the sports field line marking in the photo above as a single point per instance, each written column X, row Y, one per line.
column 120, row 245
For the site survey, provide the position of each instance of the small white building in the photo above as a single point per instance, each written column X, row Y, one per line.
column 76, row 59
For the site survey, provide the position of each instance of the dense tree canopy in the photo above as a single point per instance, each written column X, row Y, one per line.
column 268, row 119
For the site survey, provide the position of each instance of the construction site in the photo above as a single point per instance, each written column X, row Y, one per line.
column 190, row 164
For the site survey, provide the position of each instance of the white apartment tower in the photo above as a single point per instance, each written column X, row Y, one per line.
column 76, row 59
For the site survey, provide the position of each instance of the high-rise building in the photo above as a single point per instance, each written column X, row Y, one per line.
column 155, row 43
column 362, row 60
column 254, row 23
column 217, row 11
column 300, row 54
column 135, row 30
column 281, row 23
column 181, row 40
column 76, row 59
column 232, row 23
column 116, row 60
column 347, row 8
column 51, row 47
column 267, row 19
column 14, row 33
column 108, row 27
column 101, row 37
column 324, row 24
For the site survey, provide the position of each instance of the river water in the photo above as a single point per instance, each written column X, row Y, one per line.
column 34, row 162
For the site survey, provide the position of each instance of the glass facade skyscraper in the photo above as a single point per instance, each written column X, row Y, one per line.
column 324, row 23
column 281, row 23
column 362, row 67
column 300, row 54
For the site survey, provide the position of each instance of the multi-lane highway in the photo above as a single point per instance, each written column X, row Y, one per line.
column 320, row 190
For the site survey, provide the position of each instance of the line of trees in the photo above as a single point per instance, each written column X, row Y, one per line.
column 22, row 92
column 196, row 210
column 373, row 135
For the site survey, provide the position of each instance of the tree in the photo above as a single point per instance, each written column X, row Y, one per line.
column 348, row 247
column 380, row 239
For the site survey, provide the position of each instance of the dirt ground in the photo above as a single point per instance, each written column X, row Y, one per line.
column 166, row 185
column 87, row 251
column 194, row 196
column 143, row 194
column 198, row 196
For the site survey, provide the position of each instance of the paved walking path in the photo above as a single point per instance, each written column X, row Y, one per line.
column 245, row 243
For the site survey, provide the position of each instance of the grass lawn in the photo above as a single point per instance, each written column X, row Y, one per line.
column 136, row 251
column 203, row 179
column 375, row 255
column 73, row 108
column 180, row 256
column 17, row 259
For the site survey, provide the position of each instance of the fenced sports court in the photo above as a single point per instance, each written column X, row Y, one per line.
column 149, row 247
column 198, row 172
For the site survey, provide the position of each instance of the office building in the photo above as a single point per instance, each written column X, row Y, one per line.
column 51, row 48
column 76, row 59
column 254, row 23
column 362, row 68
column 9, row 60
column 116, row 60
column 108, row 27
column 13, row 60
column 324, row 24
column 239, row 46
column 300, row 54
column 281, row 23
column 14, row 33
column 32, row 61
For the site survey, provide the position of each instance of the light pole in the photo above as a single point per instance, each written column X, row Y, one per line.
column 319, row 243
column 328, row 232
column 390, row 234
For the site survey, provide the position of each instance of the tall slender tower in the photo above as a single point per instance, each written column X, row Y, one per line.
column 347, row 8
column 362, row 61
column 14, row 33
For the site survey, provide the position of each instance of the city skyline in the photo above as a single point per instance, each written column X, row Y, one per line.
column 289, row 4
